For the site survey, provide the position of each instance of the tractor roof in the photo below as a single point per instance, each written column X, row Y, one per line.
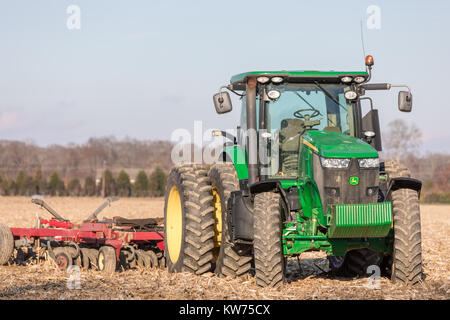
column 239, row 80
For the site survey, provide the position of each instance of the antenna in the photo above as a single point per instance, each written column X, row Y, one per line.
column 362, row 39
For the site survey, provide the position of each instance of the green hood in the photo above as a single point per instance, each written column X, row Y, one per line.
column 337, row 145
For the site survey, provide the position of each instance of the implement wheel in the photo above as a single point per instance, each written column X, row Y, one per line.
column 153, row 258
column 63, row 258
column 228, row 261
column 269, row 260
column 188, row 220
column 6, row 244
column 85, row 258
column 107, row 261
column 143, row 259
column 77, row 260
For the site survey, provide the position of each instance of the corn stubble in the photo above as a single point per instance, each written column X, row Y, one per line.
column 310, row 280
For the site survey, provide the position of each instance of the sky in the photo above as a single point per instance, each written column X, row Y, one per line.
column 142, row 69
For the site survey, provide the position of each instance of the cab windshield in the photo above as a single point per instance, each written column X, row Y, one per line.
column 302, row 107
column 327, row 101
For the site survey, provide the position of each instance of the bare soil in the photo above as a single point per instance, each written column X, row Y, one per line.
column 310, row 280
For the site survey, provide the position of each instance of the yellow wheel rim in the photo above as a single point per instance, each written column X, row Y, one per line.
column 217, row 221
column 174, row 224
column 101, row 261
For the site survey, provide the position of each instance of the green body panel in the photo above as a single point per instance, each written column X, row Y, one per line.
column 294, row 245
column 285, row 184
column 371, row 220
column 242, row 77
column 373, row 232
column 238, row 158
column 338, row 145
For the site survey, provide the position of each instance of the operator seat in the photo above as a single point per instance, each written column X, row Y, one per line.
column 290, row 132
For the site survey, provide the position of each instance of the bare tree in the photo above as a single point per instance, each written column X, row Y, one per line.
column 402, row 139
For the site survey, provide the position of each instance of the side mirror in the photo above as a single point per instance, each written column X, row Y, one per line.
column 405, row 101
column 222, row 102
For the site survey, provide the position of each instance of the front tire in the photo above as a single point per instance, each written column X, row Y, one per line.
column 268, row 254
column 405, row 263
column 407, row 254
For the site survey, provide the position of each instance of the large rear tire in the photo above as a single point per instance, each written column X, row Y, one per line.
column 188, row 220
column 268, row 254
column 396, row 169
column 228, row 261
column 6, row 244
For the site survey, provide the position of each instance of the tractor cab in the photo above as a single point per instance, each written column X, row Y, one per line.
column 284, row 111
column 289, row 108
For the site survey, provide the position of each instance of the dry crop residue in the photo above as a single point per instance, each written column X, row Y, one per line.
column 310, row 281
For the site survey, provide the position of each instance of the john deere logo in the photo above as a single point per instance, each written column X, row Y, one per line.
column 354, row 181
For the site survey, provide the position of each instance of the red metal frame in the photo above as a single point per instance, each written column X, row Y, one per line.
column 88, row 232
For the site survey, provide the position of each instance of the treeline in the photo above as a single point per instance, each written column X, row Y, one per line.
column 142, row 185
column 137, row 168
column 434, row 172
column 403, row 142
column 83, row 160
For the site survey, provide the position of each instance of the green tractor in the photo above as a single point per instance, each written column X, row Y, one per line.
column 302, row 174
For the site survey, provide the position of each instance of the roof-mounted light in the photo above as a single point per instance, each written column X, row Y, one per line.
column 277, row 80
column 359, row 79
column 369, row 61
column 346, row 79
column 263, row 79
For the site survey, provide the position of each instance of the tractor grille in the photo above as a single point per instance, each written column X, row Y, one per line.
column 335, row 188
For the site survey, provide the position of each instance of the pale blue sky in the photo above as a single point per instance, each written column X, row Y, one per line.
column 145, row 68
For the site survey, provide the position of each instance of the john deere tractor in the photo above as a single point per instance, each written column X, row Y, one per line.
column 302, row 174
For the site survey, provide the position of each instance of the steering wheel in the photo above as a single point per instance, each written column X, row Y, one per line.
column 307, row 122
column 306, row 117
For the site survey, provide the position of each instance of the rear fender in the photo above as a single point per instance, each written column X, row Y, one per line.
column 235, row 155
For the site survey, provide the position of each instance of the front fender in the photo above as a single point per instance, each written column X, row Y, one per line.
column 404, row 183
